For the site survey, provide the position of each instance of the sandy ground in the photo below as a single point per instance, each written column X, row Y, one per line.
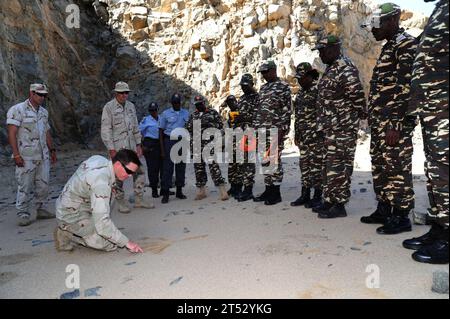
column 214, row 249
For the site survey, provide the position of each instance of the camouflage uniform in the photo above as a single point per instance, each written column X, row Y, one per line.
column 308, row 139
column 83, row 208
column 341, row 104
column 32, row 143
column 120, row 130
column 209, row 119
column 275, row 113
column 388, row 101
column 429, row 100
column 248, row 107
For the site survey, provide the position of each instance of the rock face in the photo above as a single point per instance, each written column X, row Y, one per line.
column 163, row 46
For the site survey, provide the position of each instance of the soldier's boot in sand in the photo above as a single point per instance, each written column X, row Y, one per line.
column 63, row 240
column 201, row 193
column 44, row 214
column 140, row 202
column 223, row 193
column 122, row 206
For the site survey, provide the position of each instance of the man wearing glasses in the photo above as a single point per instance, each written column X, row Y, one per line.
column 120, row 130
column 32, row 147
column 83, row 208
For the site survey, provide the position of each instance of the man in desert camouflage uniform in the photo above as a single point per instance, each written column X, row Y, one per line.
column 391, row 130
column 429, row 100
column 342, row 104
column 31, row 143
column 230, row 117
column 120, row 130
column 83, row 207
column 308, row 139
column 274, row 113
column 209, row 119
column 248, row 106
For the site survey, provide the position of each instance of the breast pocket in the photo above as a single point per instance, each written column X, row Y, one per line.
column 171, row 119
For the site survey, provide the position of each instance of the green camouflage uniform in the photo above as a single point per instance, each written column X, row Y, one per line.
column 120, row 130
column 32, row 143
column 429, row 100
column 209, row 119
column 341, row 104
column 83, row 208
column 275, row 113
column 308, row 139
column 388, row 101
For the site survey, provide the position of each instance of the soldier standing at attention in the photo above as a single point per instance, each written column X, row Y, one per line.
column 83, row 207
column 32, row 146
column 208, row 118
column 342, row 104
column 274, row 113
column 120, row 130
column 429, row 100
column 391, row 131
column 308, row 139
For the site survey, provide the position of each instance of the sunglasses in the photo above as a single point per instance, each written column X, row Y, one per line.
column 41, row 94
column 128, row 171
column 123, row 93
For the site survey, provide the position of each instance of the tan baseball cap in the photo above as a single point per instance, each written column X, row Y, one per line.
column 122, row 87
column 39, row 88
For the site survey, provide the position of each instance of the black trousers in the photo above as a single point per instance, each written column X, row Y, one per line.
column 152, row 154
column 169, row 166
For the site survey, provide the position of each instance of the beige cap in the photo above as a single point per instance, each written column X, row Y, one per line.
column 122, row 87
column 39, row 88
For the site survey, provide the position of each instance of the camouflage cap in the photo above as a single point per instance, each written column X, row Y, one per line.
column 302, row 69
column 39, row 88
column 266, row 66
column 153, row 107
column 198, row 99
column 247, row 79
column 122, row 87
column 327, row 41
column 384, row 10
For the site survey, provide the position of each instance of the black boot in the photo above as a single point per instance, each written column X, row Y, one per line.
column 180, row 194
column 337, row 210
column 380, row 215
column 435, row 233
column 274, row 196
column 304, row 198
column 437, row 253
column 155, row 192
column 238, row 191
column 233, row 190
column 324, row 206
column 398, row 223
column 246, row 195
column 165, row 195
column 316, row 200
column 263, row 196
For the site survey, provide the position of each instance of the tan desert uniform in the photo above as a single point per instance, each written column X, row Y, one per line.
column 32, row 143
column 83, row 208
column 120, row 130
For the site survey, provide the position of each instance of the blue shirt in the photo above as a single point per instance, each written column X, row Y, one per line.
column 149, row 127
column 170, row 120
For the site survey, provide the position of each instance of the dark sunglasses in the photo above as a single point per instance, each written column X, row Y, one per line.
column 41, row 94
column 128, row 171
column 123, row 93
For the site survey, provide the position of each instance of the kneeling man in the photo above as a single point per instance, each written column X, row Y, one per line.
column 83, row 208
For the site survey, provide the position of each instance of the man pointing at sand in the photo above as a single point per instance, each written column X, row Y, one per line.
column 83, row 208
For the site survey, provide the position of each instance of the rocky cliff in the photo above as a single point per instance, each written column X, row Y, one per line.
column 163, row 46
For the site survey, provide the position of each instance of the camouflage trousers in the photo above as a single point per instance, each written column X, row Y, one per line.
column 392, row 166
column 200, row 174
column 337, row 167
column 139, row 184
column 84, row 234
column 311, row 157
column 242, row 171
column 274, row 173
column 33, row 177
column 436, row 134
